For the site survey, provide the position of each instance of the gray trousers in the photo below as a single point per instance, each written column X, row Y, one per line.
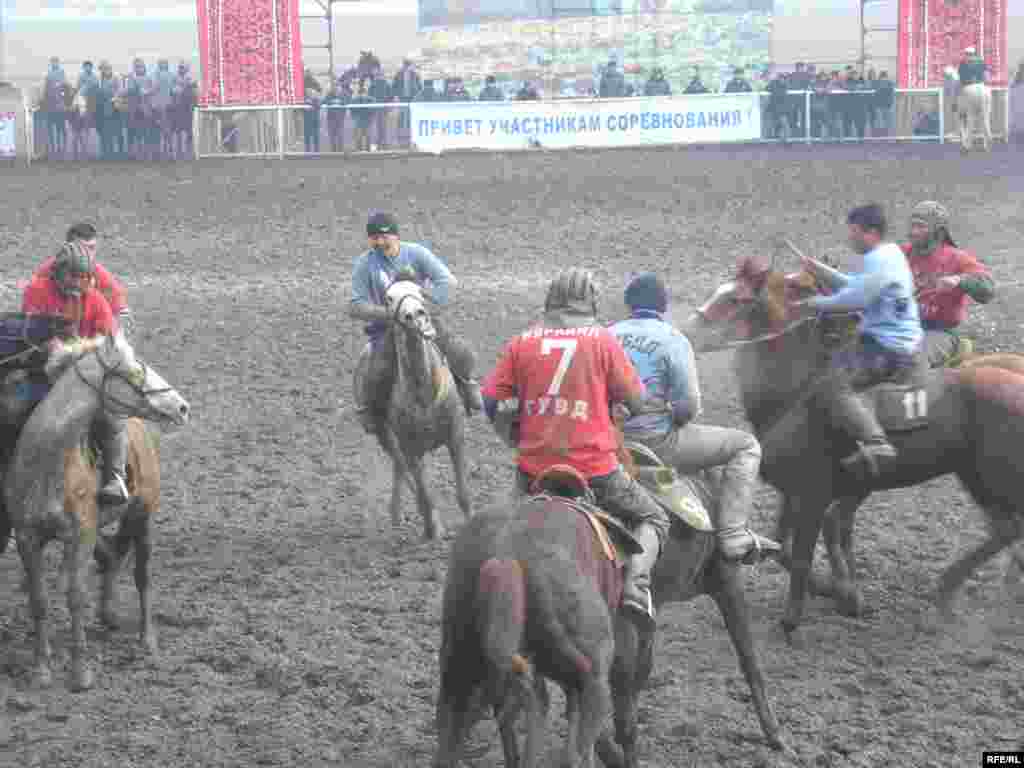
column 619, row 495
column 696, row 447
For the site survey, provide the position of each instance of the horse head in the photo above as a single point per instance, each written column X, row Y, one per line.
column 126, row 385
column 407, row 307
column 759, row 304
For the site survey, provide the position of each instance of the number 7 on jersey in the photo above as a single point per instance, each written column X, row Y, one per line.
column 568, row 347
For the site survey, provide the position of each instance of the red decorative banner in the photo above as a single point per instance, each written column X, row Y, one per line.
column 250, row 52
column 934, row 33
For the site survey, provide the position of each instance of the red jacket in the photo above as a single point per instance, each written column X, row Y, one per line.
column 942, row 307
column 90, row 314
column 564, row 380
column 106, row 283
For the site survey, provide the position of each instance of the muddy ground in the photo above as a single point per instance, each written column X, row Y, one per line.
column 296, row 628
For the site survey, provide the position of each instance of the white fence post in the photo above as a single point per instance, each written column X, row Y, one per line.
column 280, row 132
column 942, row 116
column 807, row 115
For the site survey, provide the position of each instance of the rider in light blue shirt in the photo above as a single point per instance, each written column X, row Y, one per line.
column 891, row 335
column 387, row 260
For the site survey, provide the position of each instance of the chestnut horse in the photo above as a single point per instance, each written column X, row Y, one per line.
column 972, row 427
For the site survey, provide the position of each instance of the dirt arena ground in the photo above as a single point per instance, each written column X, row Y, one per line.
column 296, row 628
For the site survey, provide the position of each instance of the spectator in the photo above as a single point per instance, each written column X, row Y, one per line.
column 405, row 88
column 361, row 117
column 799, row 80
column 739, row 83
column 311, row 115
column 820, row 123
column 380, row 93
column 613, row 82
column 696, row 85
column 528, row 92
column 778, row 111
column 883, row 102
column 491, row 91
column 456, row 90
column 87, row 81
column 338, row 97
column 108, row 120
column 54, row 108
column 836, row 103
column 657, row 85
column 1017, row 105
column 858, row 104
column 429, row 92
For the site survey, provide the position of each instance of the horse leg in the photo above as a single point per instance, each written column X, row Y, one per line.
column 816, row 585
column 724, row 582
column 143, row 551
column 594, row 703
column 634, row 648
column 838, row 534
column 78, row 551
column 457, row 454
column 808, row 518
column 1005, row 532
column 30, row 547
column 110, row 554
column 399, row 475
column 432, row 525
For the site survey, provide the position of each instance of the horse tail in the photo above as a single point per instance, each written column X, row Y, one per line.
column 558, row 638
column 502, row 596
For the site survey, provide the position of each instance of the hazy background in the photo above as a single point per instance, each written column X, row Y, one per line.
column 825, row 31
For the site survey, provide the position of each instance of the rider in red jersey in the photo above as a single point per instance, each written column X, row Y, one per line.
column 557, row 382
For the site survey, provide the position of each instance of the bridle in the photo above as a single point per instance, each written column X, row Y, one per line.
column 113, row 405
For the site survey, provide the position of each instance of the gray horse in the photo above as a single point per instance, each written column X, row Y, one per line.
column 49, row 486
column 424, row 410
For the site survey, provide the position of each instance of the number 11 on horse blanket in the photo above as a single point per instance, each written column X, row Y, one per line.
column 531, row 594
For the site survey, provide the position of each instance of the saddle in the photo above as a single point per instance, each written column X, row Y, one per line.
column 905, row 406
column 566, row 484
column 680, row 496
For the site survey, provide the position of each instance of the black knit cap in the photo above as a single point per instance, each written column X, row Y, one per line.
column 647, row 291
column 382, row 224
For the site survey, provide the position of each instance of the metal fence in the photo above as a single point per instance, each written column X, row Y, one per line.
column 799, row 117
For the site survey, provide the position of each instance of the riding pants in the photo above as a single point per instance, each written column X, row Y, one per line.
column 695, row 447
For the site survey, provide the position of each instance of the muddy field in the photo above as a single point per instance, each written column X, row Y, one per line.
column 297, row 628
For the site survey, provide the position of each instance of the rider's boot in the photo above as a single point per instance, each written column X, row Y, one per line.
column 115, row 457
column 636, row 592
column 469, row 391
column 852, row 415
column 735, row 539
column 362, row 389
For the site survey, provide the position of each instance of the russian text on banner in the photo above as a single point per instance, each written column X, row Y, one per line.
column 571, row 123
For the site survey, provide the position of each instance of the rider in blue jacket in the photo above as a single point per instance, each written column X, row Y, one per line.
column 665, row 361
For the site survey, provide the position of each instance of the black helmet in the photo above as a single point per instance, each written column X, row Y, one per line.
column 574, row 290
column 73, row 262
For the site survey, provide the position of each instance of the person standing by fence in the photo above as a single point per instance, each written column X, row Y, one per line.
column 974, row 104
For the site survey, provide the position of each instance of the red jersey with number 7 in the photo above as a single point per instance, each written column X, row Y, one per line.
column 562, row 382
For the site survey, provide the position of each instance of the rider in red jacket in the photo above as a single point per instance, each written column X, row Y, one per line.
column 68, row 289
column 108, row 285
column 945, row 277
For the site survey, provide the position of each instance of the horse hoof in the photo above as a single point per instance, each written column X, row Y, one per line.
column 776, row 742
column 81, row 679
column 148, row 642
column 849, row 603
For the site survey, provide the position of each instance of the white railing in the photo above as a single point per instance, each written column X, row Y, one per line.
column 801, row 116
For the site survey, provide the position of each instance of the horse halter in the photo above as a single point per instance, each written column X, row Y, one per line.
column 112, row 404
column 418, row 321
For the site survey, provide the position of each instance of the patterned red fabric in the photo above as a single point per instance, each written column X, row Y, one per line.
column 930, row 43
column 238, row 48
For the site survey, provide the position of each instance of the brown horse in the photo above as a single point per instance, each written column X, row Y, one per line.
column 578, row 577
column 966, row 422
column 50, row 486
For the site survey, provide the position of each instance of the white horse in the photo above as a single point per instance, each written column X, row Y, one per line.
column 49, row 487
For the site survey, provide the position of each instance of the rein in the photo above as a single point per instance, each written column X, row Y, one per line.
column 107, row 400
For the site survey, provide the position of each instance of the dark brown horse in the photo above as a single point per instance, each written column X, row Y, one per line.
column 965, row 421
column 567, row 550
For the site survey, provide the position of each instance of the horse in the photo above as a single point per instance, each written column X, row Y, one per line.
column 689, row 566
column 960, row 421
column 50, row 486
column 423, row 410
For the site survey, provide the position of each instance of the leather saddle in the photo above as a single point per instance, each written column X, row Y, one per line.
column 905, row 406
column 566, row 484
column 680, row 496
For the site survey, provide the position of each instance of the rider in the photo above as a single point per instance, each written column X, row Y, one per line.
column 665, row 361
column 559, row 380
column 375, row 270
column 68, row 290
column 891, row 336
column 944, row 277
column 111, row 288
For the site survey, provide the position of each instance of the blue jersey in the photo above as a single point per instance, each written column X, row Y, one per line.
column 884, row 292
column 664, row 359
column 374, row 273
